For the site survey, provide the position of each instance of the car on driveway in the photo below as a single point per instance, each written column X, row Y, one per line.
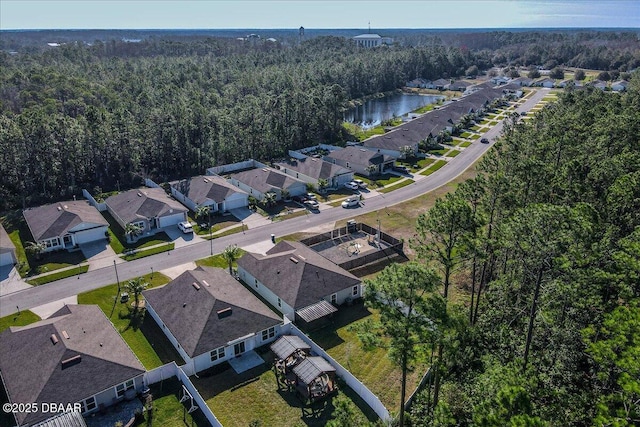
column 351, row 202
column 312, row 204
column 360, row 183
column 484, row 140
column 351, row 185
column 186, row 227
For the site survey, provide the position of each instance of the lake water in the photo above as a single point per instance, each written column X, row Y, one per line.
column 377, row 110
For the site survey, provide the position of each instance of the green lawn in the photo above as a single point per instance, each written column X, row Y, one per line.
column 18, row 319
column 119, row 243
column 386, row 179
column 362, row 134
column 437, row 165
column 465, row 144
column 372, row 367
column 253, row 398
column 453, row 153
column 217, row 261
column 81, row 269
column 396, row 186
column 440, row 152
column 466, row 135
column 140, row 332
column 167, row 409
column 148, row 252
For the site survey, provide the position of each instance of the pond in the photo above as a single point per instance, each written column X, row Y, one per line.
column 377, row 110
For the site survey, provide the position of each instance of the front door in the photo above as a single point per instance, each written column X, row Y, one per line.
column 238, row 349
column 66, row 240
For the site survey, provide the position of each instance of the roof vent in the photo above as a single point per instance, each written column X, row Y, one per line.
column 59, row 208
column 65, row 334
column 225, row 312
column 301, row 257
column 54, row 339
column 206, row 179
column 295, row 261
column 196, row 286
column 139, row 194
column 67, row 363
column 66, row 207
column 205, row 283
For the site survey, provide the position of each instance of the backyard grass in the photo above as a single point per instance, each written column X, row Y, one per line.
column 253, row 398
column 372, row 367
column 141, row 333
column 167, row 409
column 81, row 269
column 22, row 318
column 401, row 184
column 148, row 252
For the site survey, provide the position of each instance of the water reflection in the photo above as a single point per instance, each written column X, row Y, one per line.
column 377, row 110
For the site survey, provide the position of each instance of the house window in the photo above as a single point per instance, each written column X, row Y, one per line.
column 217, row 354
column 89, row 404
column 334, row 298
column 268, row 333
column 279, row 303
column 355, row 291
column 122, row 388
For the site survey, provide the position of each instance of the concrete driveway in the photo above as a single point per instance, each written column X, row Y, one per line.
column 99, row 254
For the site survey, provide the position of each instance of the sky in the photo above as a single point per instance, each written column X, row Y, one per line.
column 222, row 14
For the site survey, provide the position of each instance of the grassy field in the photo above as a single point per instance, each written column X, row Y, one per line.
column 18, row 319
column 140, row 332
column 253, row 398
column 372, row 367
column 81, row 269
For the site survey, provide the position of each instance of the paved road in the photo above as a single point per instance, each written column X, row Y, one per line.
column 33, row 297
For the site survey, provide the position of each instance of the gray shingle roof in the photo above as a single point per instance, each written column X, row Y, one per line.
column 6, row 245
column 143, row 203
column 200, row 189
column 315, row 168
column 32, row 368
column 57, row 219
column 192, row 314
column 265, row 179
column 311, row 368
column 359, row 156
column 297, row 274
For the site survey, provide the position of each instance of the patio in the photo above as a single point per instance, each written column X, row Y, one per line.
column 122, row 412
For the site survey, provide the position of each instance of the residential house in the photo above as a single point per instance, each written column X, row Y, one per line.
column 500, row 80
column 259, row 181
column 372, row 40
column 546, row 82
column 312, row 170
column 599, row 84
column 620, row 85
column 65, row 225
column 360, row 160
column 74, row 357
column 419, row 83
column 209, row 317
column 458, row 85
column 7, row 249
column 299, row 282
column 213, row 191
column 149, row 208
column 440, row 84
column 523, row 81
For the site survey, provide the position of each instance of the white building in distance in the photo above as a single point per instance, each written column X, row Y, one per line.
column 372, row 40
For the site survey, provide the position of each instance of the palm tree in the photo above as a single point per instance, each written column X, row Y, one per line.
column 322, row 184
column 230, row 254
column 203, row 211
column 372, row 169
column 285, row 194
column 35, row 248
column 269, row 199
column 132, row 230
column 135, row 287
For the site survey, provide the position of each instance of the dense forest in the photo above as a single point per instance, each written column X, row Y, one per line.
column 543, row 250
column 107, row 113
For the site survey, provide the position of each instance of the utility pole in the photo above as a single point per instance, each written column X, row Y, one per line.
column 210, row 232
column 117, row 279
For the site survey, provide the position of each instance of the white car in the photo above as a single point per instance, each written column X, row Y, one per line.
column 351, row 185
column 360, row 183
column 351, row 202
column 186, row 227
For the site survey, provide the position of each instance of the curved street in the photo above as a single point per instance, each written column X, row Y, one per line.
column 38, row 295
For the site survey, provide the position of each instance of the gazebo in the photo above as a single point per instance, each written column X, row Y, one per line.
column 315, row 378
column 289, row 351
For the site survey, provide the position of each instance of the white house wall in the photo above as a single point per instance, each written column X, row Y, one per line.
column 108, row 397
column 168, row 334
column 266, row 293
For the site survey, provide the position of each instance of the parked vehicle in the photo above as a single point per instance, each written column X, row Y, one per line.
column 351, row 185
column 351, row 202
column 312, row 204
column 186, row 227
column 360, row 183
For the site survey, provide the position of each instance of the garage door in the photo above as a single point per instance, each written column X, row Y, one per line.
column 167, row 221
column 90, row 235
column 236, row 202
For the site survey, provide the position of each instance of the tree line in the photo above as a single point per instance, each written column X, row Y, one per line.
column 525, row 292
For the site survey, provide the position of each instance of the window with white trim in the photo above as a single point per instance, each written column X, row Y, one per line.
column 268, row 333
column 122, row 388
column 216, row 354
column 89, row 404
column 334, row 298
column 355, row 291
